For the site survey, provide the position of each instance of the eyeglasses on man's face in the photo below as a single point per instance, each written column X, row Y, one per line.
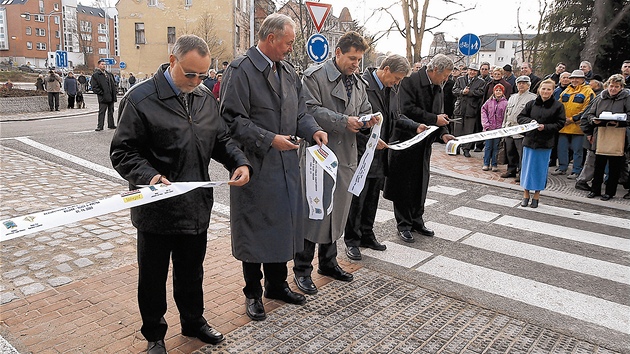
column 201, row 76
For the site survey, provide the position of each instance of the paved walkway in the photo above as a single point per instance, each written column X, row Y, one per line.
column 73, row 289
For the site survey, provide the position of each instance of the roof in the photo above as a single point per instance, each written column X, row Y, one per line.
column 345, row 16
column 489, row 41
column 93, row 11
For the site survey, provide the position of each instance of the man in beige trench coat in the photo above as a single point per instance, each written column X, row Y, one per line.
column 336, row 97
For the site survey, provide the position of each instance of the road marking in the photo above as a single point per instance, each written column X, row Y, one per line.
column 447, row 232
column 398, row 254
column 493, row 199
column 562, row 212
column 476, row 214
column 583, row 307
column 446, row 190
column 428, row 202
column 567, row 233
column 218, row 207
column 6, row 347
column 559, row 259
column 383, row 215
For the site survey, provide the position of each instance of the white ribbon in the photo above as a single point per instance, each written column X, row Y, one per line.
column 318, row 160
column 452, row 145
column 358, row 179
column 28, row 224
column 413, row 141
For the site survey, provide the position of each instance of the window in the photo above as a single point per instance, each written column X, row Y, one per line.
column 56, row 19
column 102, row 39
column 170, row 35
column 88, row 49
column 152, row 2
column 56, row 7
column 41, row 6
column 102, row 29
column 140, row 33
column 41, row 46
column 501, row 44
column 29, row 31
column 237, row 33
column 500, row 59
column 27, row 17
column 86, row 36
column 39, row 18
column 29, row 45
column 86, row 26
column 188, row 3
column 56, row 34
column 40, row 32
column 102, row 51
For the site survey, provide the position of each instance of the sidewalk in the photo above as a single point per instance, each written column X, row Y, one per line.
column 73, row 289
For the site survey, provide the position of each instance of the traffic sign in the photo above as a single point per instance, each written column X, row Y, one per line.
column 109, row 61
column 122, row 65
column 61, row 59
column 469, row 44
column 317, row 48
column 318, row 12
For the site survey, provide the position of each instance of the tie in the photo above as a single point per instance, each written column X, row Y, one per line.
column 184, row 97
column 388, row 91
column 273, row 78
column 347, row 82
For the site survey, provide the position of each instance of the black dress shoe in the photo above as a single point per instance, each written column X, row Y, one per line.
column 374, row 244
column 467, row 153
column 353, row 253
column 287, row 295
column 582, row 185
column 112, row 127
column 534, row 203
column 508, row 175
column 423, row 230
column 254, row 309
column 336, row 273
column 305, row 284
column 206, row 334
column 406, row 236
column 525, row 202
column 606, row 197
column 156, row 347
column 593, row 195
column 98, row 129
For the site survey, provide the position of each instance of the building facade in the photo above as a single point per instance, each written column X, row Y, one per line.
column 149, row 28
column 32, row 30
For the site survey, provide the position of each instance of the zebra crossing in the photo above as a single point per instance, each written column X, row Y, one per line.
column 557, row 240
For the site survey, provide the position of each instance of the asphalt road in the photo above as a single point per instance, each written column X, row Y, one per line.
column 565, row 266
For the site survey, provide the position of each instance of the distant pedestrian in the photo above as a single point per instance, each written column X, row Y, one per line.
column 104, row 86
column 70, row 86
column 82, row 83
column 132, row 80
column 39, row 83
column 216, row 89
column 53, row 86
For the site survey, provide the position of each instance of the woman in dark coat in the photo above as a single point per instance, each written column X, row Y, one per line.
column 614, row 99
column 537, row 144
column 70, row 86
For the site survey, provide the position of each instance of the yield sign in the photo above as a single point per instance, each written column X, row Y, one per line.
column 318, row 12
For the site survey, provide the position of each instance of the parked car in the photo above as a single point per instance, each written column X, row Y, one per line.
column 29, row 69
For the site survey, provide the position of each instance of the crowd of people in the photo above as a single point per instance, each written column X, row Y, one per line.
column 260, row 118
column 501, row 100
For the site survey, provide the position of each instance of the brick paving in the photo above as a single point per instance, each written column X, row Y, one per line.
column 73, row 289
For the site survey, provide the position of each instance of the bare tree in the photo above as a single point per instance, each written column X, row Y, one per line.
column 415, row 23
column 206, row 29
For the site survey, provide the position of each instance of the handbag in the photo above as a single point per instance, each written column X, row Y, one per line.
column 610, row 141
column 502, row 154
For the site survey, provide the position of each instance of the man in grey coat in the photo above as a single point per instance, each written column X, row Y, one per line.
column 336, row 97
column 263, row 103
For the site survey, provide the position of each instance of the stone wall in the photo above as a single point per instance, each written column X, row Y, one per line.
column 17, row 105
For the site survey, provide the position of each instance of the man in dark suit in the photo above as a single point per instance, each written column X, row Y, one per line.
column 104, row 86
column 383, row 96
column 263, row 104
column 421, row 99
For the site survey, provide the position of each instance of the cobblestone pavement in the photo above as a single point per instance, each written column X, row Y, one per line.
column 73, row 289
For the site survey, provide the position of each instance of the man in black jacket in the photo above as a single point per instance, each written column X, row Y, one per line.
column 104, row 86
column 169, row 128
column 383, row 96
column 421, row 99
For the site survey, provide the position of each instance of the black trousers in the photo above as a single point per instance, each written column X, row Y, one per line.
column 53, row 100
column 303, row 261
column 102, row 107
column 360, row 225
column 615, row 165
column 71, row 101
column 275, row 278
column 514, row 152
column 409, row 215
column 154, row 254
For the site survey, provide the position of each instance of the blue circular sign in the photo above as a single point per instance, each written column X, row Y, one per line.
column 469, row 44
column 122, row 65
column 317, row 48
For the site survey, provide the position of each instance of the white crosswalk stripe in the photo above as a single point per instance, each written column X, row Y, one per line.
column 611, row 312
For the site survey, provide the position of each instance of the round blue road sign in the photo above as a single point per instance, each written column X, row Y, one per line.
column 122, row 65
column 469, row 44
column 317, row 48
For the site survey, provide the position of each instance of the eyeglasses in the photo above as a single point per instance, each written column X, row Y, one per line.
column 201, row 77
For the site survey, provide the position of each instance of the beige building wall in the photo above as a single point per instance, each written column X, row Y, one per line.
column 213, row 20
